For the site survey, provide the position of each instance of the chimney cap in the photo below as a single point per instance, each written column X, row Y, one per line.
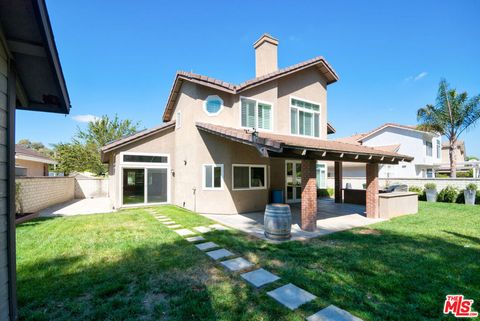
column 265, row 38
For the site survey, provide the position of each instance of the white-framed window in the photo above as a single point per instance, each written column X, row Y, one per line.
column 256, row 114
column 213, row 105
column 321, row 175
column 439, row 148
column 135, row 158
column 304, row 117
column 429, row 173
column 249, row 176
column 429, row 150
column 212, row 176
column 178, row 120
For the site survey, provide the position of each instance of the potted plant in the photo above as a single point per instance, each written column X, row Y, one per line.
column 431, row 192
column 470, row 193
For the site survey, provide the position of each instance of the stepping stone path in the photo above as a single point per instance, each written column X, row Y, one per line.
column 219, row 254
column 184, row 232
column 237, row 264
column 202, row 229
column 259, row 278
column 195, row 239
column 332, row 313
column 206, row 246
column 291, row 296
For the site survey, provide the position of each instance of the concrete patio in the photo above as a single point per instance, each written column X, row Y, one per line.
column 78, row 207
column 331, row 217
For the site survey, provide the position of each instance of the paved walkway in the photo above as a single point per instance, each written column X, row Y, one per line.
column 78, row 207
column 331, row 218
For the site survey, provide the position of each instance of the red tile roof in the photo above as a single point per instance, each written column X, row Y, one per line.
column 181, row 76
column 277, row 142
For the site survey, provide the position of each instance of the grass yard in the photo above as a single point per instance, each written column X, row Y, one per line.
column 129, row 266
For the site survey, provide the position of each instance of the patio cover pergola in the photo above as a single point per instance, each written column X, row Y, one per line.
column 309, row 150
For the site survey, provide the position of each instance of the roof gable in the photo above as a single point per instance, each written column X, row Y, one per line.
column 182, row 76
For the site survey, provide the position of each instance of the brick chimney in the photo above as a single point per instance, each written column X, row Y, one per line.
column 265, row 55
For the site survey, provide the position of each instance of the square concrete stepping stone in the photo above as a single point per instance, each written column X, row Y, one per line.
column 163, row 219
column 259, row 278
column 206, row 246
column 195, row 239
column 169, row 222
column 184, row 232
column 219, row 254
column 202, row 229
column 291, row 296
column 332, row 313
column 236, row 264
column 219, row 227
column 174, row 226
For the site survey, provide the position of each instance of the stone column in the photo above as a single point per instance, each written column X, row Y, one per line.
column 309, row 195
column 372, row 190
column 338, row 182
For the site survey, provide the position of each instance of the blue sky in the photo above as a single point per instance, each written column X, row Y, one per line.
column 121, row 56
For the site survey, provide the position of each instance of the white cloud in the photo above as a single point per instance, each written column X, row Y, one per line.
column 85, row 118
column 420, row 75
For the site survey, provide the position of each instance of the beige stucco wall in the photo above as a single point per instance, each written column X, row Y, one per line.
column 190, row 148
column 459, row 156
column 391, row 205
column 92, row 187
column 38, row 193
column 33, row 168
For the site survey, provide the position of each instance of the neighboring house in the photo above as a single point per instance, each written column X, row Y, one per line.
column 29, row 162
column 460, row 159
column 224, row 147
column 30, row 79
column 424, row 147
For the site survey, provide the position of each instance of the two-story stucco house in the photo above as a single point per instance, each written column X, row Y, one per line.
column 424, row 147
column 224, row 147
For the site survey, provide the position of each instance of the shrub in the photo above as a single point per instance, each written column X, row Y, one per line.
column 430, row 186
column 448, row 194
column 472, row 187
column 325, row 192
column 419, row 191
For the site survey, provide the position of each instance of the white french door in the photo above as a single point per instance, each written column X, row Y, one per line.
column 293, row 181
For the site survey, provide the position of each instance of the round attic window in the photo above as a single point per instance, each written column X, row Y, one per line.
column 213, row 105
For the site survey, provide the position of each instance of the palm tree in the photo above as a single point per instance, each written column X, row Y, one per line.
column 452, row 114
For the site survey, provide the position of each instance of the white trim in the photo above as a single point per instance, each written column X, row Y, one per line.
column 145, row 167
column 295, row 198
column 35, row 159
column 399, row 127
column 205, row 105
column 222, row 181
column 250, row 177
column 313, row 112
column 256, row 114
column 143, row 154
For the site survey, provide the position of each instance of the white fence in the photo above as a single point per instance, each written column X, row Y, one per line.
column 358, row 182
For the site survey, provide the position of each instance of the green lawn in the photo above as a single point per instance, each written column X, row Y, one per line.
column 128, row 266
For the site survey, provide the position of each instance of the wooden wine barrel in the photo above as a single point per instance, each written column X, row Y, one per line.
column 278, row 221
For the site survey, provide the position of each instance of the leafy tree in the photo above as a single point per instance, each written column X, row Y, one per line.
column 83, row 153
column 452, row 114
column 471, row 158
column 37, row 146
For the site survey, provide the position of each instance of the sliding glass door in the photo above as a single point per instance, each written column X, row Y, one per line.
column 157, row 185
column 133, row 186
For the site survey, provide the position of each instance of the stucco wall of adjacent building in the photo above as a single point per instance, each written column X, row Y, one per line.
column 38, row 193
column 33, row 168
column 4, row 308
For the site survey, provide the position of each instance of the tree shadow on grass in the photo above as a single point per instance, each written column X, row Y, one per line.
column 376, row 276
